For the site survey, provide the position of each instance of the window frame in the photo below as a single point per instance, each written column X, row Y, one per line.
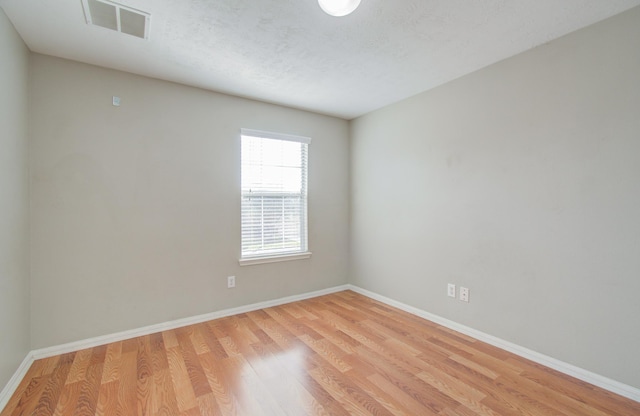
column 303, row 253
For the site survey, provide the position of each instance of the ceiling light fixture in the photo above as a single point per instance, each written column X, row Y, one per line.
column 338, row 8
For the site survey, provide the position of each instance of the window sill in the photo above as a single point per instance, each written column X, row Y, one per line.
column 250, row 261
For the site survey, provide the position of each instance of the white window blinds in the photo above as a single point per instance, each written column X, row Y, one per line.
column 274, row 193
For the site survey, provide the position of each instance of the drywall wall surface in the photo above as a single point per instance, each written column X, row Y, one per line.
column 136, row 208
column 520, row 182
column 14, row 205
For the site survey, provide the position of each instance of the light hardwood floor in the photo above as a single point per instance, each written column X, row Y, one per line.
column 341, row 354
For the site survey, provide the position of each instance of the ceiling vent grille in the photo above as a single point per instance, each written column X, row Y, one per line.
column 117, row 17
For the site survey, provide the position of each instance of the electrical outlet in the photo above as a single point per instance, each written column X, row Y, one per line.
column 451, row 290
column 464, row 294
column 231, row 281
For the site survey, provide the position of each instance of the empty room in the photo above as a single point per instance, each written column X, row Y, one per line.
column 320, row 207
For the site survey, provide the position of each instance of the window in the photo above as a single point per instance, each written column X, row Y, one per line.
column 274, row 196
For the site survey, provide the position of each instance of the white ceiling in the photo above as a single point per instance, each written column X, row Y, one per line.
column 289, row 52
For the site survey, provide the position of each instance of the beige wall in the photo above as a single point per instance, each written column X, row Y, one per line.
column 14, row 206
column 136, row 209
column 522, row 183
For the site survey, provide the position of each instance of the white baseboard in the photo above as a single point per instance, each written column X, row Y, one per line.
column 566, row 368
column 151, row 329
column 15, row 380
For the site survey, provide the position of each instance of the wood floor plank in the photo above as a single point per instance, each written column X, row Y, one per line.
column 68, row 400
column 411, row 403
column 50, row 396
column 33, row 384
column 221, row 387
column 394, row 404
column 291, row 396
column 251, row 394
column 578, row 390
column 296, row 327
column 197, row 378
column 145, row 394
column 90, row 383
column 467, row 397
column 111, row 367
column 199, row 344
column 327, row 351
column 79, row 367
column 399, row 373
column 339, row 354
column 186, row 397
column 213, row 342
column 164, row 393
column 336, row 337
column 50, row 364
column 128, row 381
column 170, row 339
column 30, row 396
column 207, row 405
column 330, row 384
column 301, row 372
column 107, row 403
column 558, row 401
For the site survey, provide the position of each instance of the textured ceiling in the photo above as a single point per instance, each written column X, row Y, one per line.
column 289, row 52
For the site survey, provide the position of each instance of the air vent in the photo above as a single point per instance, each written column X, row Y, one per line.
column 117, row 17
